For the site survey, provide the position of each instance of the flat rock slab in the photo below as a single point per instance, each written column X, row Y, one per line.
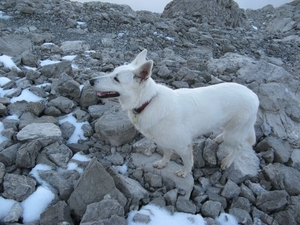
column 167, row 173
column 46, row 132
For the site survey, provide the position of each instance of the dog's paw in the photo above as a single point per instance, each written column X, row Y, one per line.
column 181, row 173
column 159, row 164
column 226, row 162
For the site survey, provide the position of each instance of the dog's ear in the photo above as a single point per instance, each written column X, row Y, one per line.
column 144, row 71
column 140, row 58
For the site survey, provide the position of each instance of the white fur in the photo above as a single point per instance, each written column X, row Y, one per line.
column 174, row 118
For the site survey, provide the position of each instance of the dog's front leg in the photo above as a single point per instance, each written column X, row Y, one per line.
column 164, row 161
column 188, row 162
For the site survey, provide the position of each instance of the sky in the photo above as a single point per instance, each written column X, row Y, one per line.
column 158, row 5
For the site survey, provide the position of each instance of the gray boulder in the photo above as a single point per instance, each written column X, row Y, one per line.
column 18, row 187
column 103, row 210
column 231, row 190
column 60, row 154
column 115, row 127
column 211, row 209
column 14, row 45
column 58, row 213
column 46, row 133
column 14, row 214
column 74, row 46
column 27, row 153
column 225, row 13
column 283, row 177
column 66, row 86
column 93, row 184
column 62, row 103
column 272, row 201
column 8, row 155
column 56, row 69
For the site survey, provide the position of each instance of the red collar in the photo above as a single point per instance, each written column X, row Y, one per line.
column 141, row 108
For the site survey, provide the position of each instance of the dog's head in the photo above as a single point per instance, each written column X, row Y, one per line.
column 125, row 82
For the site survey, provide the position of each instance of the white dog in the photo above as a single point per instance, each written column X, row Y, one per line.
column 173, row 118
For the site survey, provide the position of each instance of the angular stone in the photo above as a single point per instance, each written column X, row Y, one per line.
column 282, row 149
column 8, row 155
column 14, row 214
column 211, row 208
column 61, row 181
column 231, row 190
column 56, row 214
column 283, row 177
column 295, row 157
column 74, row 46
column 27, row 154
column 185, row 205
column 47, row 133
column 18, row 187
column 2, row 171
column 144, row 146
column 56, row 69
column 115, row 127
column 209, row 152
column 14, row 45
column 102, row 210
column 171, row 197
column 64, row 104
column 99, row 183
column 241, row 215
column 272, row 201
column 132, row 189
column 66, row 86
column 168, row 173
column 88, row 96
column 60, row 154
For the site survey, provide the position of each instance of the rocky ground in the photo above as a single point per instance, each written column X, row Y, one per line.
column 190, row 48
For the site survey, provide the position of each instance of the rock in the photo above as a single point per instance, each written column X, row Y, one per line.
column 17, row 187
column 88, row 96
column 14, row 45
column 2, row 172
column 282, row 149
column 46, row 133
column 115, row 127
column 99, row 183
column 272, row 201
column 74, row 46
column 60, row 154
column 209, row 152
column 231, row 190
column 66, row 86
column 27, row 154
column 14, row 214
column 295, row 157
column 184, row 205
column 167, row 173
column 283, row 177
column 241, row 215
column 56, row 69
column 153, row 180
column 132, row 189
column 8, row 155
column 62, row 181
column 62, row 103
column 201, row 9
column 171, row 197
column 211, row 208
column 103, row 210
column 56, row 214
column 144, row 146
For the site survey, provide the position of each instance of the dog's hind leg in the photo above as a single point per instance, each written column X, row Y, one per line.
column 188, row 161
column 164, row 161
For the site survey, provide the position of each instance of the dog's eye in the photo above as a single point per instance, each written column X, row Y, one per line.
column 116, row 79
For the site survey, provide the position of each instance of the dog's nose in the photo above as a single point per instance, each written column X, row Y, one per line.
column 92, row 82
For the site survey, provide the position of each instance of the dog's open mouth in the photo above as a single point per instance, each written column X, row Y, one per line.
column 107, row 94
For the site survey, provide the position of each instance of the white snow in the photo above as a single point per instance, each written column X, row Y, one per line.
column 254, row 27
column 48, row 62
column 3, row 81
column 122, row 169
column 78, row 133
column 30, row 68
column 27, row 96
column 5, row 207
column 162, row 216
column 3, row 16
column 69, row 57
column 36, row 204
column 8, row 62
column 80, row 157
column 35, row 173
column 159, row 215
